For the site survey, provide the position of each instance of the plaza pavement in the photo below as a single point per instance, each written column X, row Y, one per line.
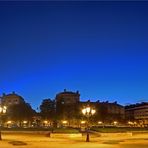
column 42, row 140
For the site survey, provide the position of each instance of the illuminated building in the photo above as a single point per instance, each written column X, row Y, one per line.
column 11, row 99
column 137, row 112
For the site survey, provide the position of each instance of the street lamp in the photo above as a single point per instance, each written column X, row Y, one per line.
column 2, row 111
column 100, row 122
column 115, row 123
column 88, row 112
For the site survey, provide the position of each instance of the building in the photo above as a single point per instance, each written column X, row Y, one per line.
column 69, row 109
column 67, row 106
column 68, row 97
column 11, row 99
column 137, row 113
column 106, row 112
column 115, row 112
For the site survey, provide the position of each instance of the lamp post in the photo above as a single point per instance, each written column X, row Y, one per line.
column 88, row 112
column 2, row 111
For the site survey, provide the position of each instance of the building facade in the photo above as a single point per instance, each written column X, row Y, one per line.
column 106, row 112
column 67, row 106
column 68, row 97
column 11, row 99
column 138, row 113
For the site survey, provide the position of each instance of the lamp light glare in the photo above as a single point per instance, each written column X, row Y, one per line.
column 88, row 109
column 64, row 122
column 93, row 111
column 84, row 111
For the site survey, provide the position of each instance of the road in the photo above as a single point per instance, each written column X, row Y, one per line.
column 30, row 140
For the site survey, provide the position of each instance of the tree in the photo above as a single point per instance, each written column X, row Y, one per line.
column 20, row 112
column 47, row 108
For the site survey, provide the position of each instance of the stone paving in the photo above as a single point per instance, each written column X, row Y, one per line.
column 28, row 140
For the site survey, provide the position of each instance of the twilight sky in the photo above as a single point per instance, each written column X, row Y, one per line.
column 98, row 48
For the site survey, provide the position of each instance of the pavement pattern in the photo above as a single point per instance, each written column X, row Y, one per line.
column 32, row 140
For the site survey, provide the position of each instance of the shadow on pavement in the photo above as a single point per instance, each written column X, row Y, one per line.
column 17, row 143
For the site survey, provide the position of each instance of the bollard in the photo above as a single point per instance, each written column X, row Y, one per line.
column 87, row 137
column 48, row 134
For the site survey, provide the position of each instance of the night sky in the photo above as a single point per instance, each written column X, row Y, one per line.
column 98, row 48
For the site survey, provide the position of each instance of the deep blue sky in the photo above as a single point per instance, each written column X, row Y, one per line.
column 98, row 48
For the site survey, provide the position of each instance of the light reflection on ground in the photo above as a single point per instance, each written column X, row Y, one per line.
column 29, row 140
